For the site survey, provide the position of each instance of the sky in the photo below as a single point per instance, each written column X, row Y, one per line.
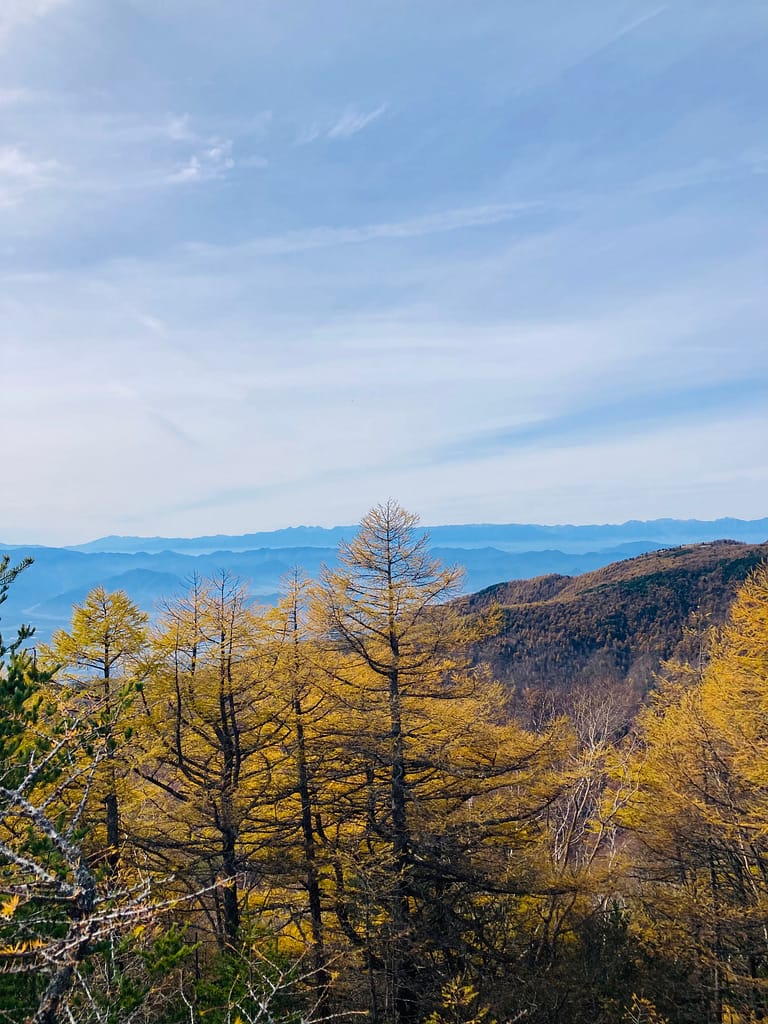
column 270, row 263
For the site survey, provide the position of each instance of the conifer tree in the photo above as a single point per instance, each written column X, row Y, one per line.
column 20, row 676
column 442, row 781
column 698, row 810
column 305, row 716
column 59, row 913
column 381, row 609
column 212, row 736
column 99, row 658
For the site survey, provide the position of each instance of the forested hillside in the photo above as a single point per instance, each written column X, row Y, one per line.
column 330, row 809
column 612, row 626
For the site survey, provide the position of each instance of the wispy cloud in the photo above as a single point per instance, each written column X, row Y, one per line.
column 591, row 51
column 114, row 151
column 21, row 173
column 185, row 128
column 353, row 121
column 410, row 227
column 213, row 157
column 161, row 419
column 349, row 123
column 706, row 172
column 619, row 35
column 212, row 162
column 16, row 97
column 18, row 12
column 631, row 416
column 630, row 27
column 179, row 129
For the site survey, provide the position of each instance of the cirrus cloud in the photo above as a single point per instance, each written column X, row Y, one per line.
column 21, row 173
column 350, row 122
column 14, row 13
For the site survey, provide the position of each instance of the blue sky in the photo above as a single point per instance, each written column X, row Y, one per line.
column 268, row 263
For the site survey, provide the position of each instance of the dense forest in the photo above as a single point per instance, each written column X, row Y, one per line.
column 332, row 809
column 612, row 626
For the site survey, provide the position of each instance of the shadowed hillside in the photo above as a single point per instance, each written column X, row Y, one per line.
column 614, row 624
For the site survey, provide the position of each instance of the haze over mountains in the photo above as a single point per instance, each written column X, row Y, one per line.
column 151, row 568
column 503, row 536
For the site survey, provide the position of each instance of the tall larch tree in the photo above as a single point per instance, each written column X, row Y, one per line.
column 99, row 658
column 305, row 715
column 382, row 609
column 212, row 737
column 61, row 915
column 441, row 781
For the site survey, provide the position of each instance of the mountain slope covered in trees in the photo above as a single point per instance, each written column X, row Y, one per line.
column 613, row 625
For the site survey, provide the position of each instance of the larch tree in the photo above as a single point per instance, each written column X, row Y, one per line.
column 382, row 609
column 304, row 715
column 212, row 735
column 21, row 678
column 98, row 659
column 443, row 783
column 59, row 911
column 698, row 811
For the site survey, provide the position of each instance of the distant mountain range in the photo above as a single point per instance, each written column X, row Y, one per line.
column 504, row 536
column 153, row 568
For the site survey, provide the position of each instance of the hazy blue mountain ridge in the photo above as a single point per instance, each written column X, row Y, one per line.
column 504, row 536
column 153, row 569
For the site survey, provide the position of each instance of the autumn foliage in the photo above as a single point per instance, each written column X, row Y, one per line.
column 328, row 808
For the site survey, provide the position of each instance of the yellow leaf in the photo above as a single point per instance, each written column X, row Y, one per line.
column 9, row 908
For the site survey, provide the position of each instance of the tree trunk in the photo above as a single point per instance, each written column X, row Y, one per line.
column 403, row 966
column 113, row 831
column 49, row 1008
column 322, row 977
column 231, row 910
